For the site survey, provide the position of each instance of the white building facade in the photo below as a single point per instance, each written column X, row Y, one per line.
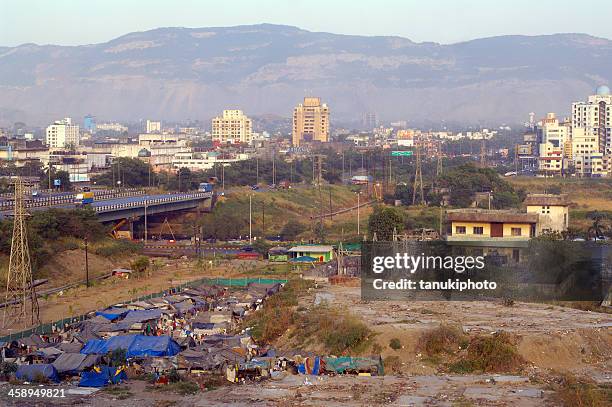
column 233, row 127
column 62, row 134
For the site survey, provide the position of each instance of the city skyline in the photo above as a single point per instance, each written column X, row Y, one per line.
column 27, row 21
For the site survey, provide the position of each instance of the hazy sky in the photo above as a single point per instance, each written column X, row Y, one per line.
column 71, row 22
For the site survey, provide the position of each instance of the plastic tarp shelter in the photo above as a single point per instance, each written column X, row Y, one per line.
column 113, row 313
column 74, row 362
column 102, row 377
column 135, row 316
column 33, row 372
column 135, row 346
column 346, row 363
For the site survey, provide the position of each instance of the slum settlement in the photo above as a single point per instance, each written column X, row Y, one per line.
column 184, row 334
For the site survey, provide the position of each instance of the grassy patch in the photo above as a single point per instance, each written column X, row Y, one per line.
column 571, row 391
column 119, row 392
column 392, row 364
column 444, row 339
column 278, row 313
column 340, row 332
column 489, row 354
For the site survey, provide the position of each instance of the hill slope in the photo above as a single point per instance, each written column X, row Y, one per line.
column 180, row 73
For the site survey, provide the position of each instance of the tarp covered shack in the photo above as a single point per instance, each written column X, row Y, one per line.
column 135, row 346
column 102, row 376
column 37, row 372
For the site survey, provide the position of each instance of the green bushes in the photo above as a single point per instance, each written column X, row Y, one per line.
column 570, row 392
column 444, row 339
column 395, row 344
column 116, row 248
column 489, row 354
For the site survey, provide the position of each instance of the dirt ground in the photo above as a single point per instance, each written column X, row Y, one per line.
column 103, row 293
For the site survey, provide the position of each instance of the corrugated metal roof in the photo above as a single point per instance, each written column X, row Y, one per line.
column 312, row 249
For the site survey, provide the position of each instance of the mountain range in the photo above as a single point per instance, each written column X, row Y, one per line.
column 194, row 73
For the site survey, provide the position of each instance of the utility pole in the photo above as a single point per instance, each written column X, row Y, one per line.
column 256, row 170
column 20, row 288
column 331, row 216
column 145, row 220
column 250, row 218
column 358, row 208
column 86, row 264
column 273, row 169
column 263, row 219
column 223, row 177
column 418, row 178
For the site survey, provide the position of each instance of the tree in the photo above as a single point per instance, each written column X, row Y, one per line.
column 132, row 172
column 383, row 221
column 62, row 175
column 598, row 228
column 292, row 229
column 140, row 265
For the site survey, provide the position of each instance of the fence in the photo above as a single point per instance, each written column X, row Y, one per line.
column 50, row 327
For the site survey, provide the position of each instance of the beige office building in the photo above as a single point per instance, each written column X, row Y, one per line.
column 310, row 121
column 232, row 127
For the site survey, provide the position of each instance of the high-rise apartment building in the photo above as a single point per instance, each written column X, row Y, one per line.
column 153, row 126
column 552, row 148
column 232, row 127
column 62, row 134
column 592, row 130
column 310, row 121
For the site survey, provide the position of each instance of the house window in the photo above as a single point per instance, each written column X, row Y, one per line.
column 516, row 255
column 478, row 230
column 515, row 231
column 460, row 230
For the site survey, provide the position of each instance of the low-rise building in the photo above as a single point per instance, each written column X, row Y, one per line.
column 320, row 253
column 552, row 210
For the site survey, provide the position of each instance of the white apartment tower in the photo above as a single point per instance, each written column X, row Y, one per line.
column 62, row 134
column 555, row 137
column 232, row 127
column 153, row 126
column 592, row 124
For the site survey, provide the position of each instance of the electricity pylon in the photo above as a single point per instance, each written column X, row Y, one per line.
column 418, row 178
column 21, row 304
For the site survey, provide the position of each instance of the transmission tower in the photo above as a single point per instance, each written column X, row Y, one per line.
column 418, row 178
column 483, row 153
column 439, row 164
column 21, row 300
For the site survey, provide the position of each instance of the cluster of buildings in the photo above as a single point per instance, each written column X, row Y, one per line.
column 579, row 145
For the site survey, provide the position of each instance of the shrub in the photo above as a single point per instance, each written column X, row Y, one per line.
column 395, row 344
column 489, row 354
column 573, row 392
column 444, row 339
column 392, row 364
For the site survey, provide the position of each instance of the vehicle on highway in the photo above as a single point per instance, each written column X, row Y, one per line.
column 84, row 198
column 205, row 187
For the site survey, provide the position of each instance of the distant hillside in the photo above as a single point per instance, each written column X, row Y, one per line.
column 180, row 73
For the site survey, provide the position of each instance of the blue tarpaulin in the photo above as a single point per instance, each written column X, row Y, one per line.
column 304, row 259
column 106, row 375
column 135, row 345
column 113, row 313
column 36, row 372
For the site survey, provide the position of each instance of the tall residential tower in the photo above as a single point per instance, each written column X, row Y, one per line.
column 310, row 121
column 232, row 127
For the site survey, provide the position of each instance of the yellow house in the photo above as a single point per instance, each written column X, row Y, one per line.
column 480, row 224
column 503, row 233
column 553, row 211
